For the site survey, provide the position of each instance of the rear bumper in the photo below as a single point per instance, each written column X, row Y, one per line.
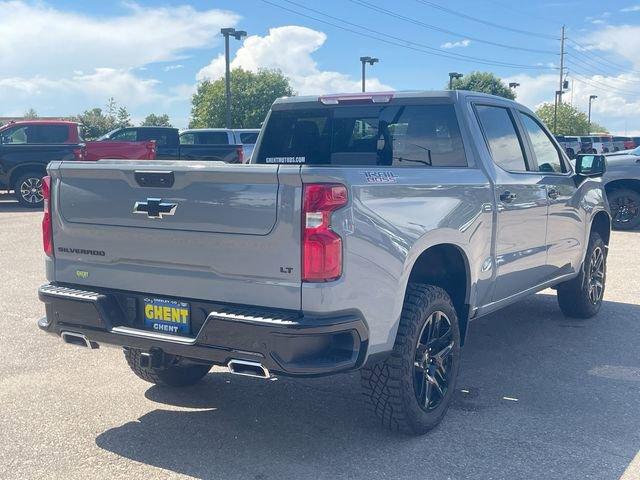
column 286, row 342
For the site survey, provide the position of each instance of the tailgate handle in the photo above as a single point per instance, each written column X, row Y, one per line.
column 154, row 179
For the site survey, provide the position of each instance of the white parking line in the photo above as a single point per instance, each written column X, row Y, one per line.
column 633, row 470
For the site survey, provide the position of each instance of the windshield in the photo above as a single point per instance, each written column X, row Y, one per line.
column 390, row 135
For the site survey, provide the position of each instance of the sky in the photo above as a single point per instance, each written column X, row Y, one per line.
column 63, row 57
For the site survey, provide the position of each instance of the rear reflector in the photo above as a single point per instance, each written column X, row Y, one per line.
column 321, row 246
column 47, row 230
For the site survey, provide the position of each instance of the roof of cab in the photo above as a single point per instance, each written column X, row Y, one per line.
column 454, row 95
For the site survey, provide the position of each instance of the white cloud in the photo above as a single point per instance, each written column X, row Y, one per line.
column 290, row 49
column 37, row 38
column 632, row 8
column 177, row 66
column 622, row 40
column 92, row 87
column 617, row 111
column 461, row 44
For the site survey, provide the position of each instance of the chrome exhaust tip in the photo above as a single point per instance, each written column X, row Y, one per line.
column 248, row 369
column 78, row 339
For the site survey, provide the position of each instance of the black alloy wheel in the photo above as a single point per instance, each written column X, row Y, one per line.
column 433, row 361
column 596, row 275
column 625, row 208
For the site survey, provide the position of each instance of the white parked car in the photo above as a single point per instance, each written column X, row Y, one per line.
column 222, row 136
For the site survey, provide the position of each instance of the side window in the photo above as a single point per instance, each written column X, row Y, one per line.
column 126, row 135
column 502, row 139
column 547, row 157
column 15, row 135
column 187, row 139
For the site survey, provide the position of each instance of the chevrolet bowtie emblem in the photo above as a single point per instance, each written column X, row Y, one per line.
column 155, row 208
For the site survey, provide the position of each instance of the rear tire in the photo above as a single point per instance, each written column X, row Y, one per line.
column 28, row 189
column 175, row 373
column 410, row 391
column 581, row 297
column 625, row 208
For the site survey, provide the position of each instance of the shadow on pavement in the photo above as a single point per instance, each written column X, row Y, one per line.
column 8, row 203
column 573, row 396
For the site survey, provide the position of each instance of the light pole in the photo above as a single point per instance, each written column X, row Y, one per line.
column 591, row 99
column 453, row 75
column 238, row 35
column 514, row 85
column 370, row 61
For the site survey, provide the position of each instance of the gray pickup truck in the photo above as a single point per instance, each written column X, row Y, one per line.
column 365, row 234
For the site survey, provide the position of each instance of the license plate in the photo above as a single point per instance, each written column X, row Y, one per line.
column 167, row 316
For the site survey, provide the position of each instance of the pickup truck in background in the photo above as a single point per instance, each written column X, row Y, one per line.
column 169, row 146
column 366, row 232
column 246, row 137
column 27, row 147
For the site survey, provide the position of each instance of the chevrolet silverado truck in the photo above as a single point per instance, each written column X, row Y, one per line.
column 366, row 233
column 27, row 147
column 170, row 146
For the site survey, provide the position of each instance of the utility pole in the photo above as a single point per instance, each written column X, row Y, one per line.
column 370, row 61
column 238, row 35
column 561, row 64
column 591, row 99
column 558, row 97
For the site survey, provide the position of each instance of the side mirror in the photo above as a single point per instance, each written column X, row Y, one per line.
column 588, row 165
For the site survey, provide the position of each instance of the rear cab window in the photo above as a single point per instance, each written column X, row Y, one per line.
column 398, row 135
column 248, row 138
column 204, row 138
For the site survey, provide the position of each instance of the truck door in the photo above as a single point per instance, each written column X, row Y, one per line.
column 521, row 199
column 565, row 225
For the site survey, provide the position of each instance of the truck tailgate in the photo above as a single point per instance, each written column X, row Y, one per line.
column 203, row 230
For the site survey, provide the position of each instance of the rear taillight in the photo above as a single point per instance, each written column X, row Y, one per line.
column 78, row 153
column 321, row 246
column 47, row 231
column 240, row 155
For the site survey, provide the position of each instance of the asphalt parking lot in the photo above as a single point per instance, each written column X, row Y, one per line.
column 572, row 406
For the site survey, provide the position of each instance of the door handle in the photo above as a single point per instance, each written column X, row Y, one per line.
column 507, row 196
column 553, row 193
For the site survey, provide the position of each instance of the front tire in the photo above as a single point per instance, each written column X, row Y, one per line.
column 411, row 390
column 175, row 372
column 625, row 208
column 28, row 190
column 581, row 297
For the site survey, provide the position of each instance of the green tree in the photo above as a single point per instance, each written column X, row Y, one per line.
column 596, row 127
column 485, row 82
column 95, row 123
column 153, row 120
column 570, row 120
column 123, row 119
column 30, row 114
column 112, row 107
column 251, row 97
